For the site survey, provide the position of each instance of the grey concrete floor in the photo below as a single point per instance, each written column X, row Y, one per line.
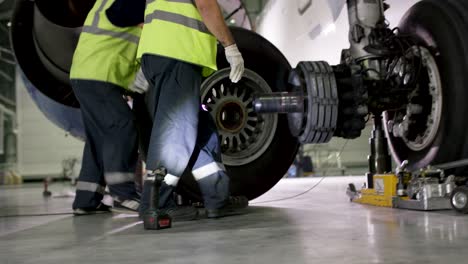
column 321, row 226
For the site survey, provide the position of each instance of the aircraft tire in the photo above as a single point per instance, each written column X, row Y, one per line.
column 442, row 28
column 254, row 176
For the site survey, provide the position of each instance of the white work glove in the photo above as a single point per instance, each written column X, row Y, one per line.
column 234, row 57
column 140, row 84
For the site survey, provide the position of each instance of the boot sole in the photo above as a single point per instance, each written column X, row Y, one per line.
column 214, row 214
column 79, row 212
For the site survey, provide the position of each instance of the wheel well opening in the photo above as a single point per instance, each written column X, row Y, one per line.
column 47, row 72
column 66, row 13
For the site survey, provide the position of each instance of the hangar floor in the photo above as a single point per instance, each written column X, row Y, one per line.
column 318, row 227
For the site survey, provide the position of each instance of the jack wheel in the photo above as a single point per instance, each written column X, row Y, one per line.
column 459, row 199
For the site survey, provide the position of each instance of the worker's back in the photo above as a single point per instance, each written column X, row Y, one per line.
column 175, row 29
column 105, row 52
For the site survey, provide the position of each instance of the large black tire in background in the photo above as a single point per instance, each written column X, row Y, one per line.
column 441, row 27
column 260, row 175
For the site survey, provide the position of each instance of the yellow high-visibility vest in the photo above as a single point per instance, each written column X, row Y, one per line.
column 106, row 52
column 175, row 29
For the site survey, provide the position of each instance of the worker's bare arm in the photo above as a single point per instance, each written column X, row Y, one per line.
column 214, row 20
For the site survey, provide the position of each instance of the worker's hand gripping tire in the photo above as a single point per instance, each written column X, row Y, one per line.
column 234, row 57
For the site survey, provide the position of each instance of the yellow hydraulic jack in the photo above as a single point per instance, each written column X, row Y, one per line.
column 381, row 187
column 387, row 191
column 425, row 190
column 382, row 194
column 428, row 189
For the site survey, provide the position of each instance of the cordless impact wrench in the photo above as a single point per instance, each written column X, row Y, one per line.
column 153, row 217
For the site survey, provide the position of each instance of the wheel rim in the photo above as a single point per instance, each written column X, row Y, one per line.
column 244, row 134
column 418, row 131
column 459, row 200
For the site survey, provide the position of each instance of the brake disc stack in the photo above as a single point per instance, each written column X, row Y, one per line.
column 316, row 83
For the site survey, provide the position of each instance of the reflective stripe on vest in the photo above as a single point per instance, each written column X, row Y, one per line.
column 120, row 35
column 175, row 1
column 178, row 19
column 105, row 52
column 175, row 29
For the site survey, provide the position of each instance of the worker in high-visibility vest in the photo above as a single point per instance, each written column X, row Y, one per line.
column 178, row 47
column 103, row 66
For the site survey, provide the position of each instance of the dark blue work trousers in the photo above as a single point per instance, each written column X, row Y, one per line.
column 173, row 101
column 111, row 148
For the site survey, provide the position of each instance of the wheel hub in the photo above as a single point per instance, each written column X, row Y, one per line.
column 419, row 126
column 459, row 200
column 244, row 134
column 232, row 116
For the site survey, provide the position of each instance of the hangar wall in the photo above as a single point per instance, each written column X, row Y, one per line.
column 41, row 145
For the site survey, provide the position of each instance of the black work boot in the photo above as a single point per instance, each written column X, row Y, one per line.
column 235, row 205
column 125, row 205
column 167, row 202
column 100, row 209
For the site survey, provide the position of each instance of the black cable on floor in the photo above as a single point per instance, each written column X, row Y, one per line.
column 294, row 196
column 308, row 190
